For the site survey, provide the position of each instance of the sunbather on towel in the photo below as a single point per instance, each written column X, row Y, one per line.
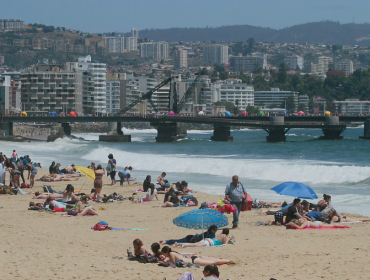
column 139, row 248
column 58, row 177
column 174, row 257
column 82, row 208
column 299, row 223
column 220, row 239
column 39, row 195
column 342, row 219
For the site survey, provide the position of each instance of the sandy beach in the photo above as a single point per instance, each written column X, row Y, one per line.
column 48, row 246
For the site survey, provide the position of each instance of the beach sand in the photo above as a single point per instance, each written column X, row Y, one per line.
column 44, row 245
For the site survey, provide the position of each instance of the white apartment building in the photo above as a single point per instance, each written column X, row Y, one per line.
column 275, row 97
column 181, row 59
column 154, row 49
column 5, row 94
column 11, row 24
column 113, row 94
column 352, row 107
column 135, row 33
column 215, row 54
column 296, row 61
column 130, row 44
column 345, row 65
column 49, row 89
column 114, row 44
column 241, row 95
column 94, row 84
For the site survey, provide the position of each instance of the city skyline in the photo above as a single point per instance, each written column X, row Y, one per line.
column 120, row 16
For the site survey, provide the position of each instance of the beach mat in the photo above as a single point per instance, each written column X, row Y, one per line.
column 333, row 227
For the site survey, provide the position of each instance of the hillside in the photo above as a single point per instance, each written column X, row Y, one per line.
column 326, row 32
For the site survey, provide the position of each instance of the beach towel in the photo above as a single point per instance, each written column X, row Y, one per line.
column 333, row 227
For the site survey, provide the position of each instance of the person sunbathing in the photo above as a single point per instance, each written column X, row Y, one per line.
column 39, row 195
column 210, row 233
column 151, row 194
column 203, row 261
column 58, row 177
column 139, row 248
column 220, row 239
column 342, row 219
column 299, row 223
column 82, row 208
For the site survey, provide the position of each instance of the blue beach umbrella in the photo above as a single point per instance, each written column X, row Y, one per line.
column 201, row 219
column 227, row 114
column 295, row 189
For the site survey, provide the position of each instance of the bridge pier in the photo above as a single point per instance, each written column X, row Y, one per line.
column 115, row 134
column 221, row 133
column 332, row 133
column 166, row 132
column 7, row 127
column 276, row 134
column 366, row 130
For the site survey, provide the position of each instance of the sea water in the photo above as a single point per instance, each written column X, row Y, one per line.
column 339, row 168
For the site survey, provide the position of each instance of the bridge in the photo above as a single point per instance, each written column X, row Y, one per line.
column 171, row 127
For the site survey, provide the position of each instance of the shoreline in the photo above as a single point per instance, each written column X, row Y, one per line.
column 261, row 252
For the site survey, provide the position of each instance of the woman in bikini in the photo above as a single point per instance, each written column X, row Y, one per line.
column 203, row 261
column 220, row 239
column 82, row 208
column 98, row 182
column 299, row 223
column 69, row 196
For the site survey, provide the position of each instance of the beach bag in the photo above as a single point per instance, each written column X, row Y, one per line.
column 203, row 205
column 25, row 185
column 147, row 258
column 279, row 217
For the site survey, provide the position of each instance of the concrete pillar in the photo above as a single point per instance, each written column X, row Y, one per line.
column 277, row 120
column 7, row 127
column 221, row 133
column 366, row 130
column 332, row 133
column 67, row 130
column 276, row 135
column 115, row 134
column 167, row 132
column 182, row 130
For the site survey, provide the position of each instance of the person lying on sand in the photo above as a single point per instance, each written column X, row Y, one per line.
column 203, row 261
column 342, row 219
column 82, row 208
column 139, row 248
column 210, row 233
column 220, row 239
column 58, row 177
column 39, row 195
column 299, row 223
column 150, row 195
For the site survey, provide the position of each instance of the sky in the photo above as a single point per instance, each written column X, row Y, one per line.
column 97, row 16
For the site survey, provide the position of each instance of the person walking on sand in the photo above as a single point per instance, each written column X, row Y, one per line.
column 98, row 182
column 234, row 194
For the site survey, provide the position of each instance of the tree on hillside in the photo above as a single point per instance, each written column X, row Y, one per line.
column 282, row 75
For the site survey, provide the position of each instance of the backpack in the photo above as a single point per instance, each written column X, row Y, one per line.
column 100, row 227
column 20, row 165
column 25, row 185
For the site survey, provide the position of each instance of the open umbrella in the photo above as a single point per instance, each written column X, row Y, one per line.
column 201, row 219
column 89, row 173
column 295, row 189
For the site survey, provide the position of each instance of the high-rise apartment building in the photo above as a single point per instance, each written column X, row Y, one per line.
column 135, row 33
column 246, row 64
column 2, row 59
column 11, row 24
column 295, row 62
column 93, row 84
column 48, row 88
column 114, row 44
column 241, row 95
column 15, row 85
column 131, row 44
column 345, row 65
column 215, row 54
column 154, row 49
column 181, row 59
column 274, row 98
column 5, row 94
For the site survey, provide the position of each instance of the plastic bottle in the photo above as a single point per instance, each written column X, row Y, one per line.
column 233, row 239
column 129, row 252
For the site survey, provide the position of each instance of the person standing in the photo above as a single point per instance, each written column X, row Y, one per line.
column 98, row 182
column 2, row 170
column 234, row 194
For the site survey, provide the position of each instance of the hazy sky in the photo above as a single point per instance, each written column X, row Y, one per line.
column 122, row 15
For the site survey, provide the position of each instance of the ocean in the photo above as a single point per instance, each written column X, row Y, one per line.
column 339, row 168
